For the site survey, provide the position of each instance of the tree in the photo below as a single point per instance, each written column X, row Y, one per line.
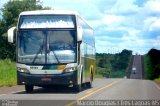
column 10, row 13
column 154, row 64
column 121, row 60
column 13, row 8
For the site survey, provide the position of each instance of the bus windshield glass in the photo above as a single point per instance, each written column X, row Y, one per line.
column 46, row 46
column 46, row 21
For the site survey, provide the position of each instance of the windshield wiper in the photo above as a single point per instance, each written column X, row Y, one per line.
column 54, row 53
column 56, row 56
column 40, row 50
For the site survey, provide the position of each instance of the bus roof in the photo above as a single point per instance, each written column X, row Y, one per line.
column 47, row 12
column 41, row 12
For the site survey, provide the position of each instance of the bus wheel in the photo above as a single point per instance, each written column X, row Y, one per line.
column 29, row 88
column 91, row 80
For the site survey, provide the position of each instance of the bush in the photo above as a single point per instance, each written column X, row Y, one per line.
column 7, row 73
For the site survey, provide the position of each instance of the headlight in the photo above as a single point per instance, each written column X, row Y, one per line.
column 71, row 69
column 23, row 70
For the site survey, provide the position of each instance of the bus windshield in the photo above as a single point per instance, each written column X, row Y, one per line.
column 46, row 46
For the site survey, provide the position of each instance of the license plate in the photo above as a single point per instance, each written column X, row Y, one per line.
column 46, row 79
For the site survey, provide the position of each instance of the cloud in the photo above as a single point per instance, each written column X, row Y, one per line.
column 155, row 25
column 140, row 3
column 112, row 19
column 151, row 27
column 102, row 5
column 123, row 7
column 148, row 21
column 153, row 6
column 118, row 24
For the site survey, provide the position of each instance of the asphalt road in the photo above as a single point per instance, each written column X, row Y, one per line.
column 103, row 89
column 137, row 64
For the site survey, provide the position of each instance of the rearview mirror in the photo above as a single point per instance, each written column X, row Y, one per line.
column 11, row 34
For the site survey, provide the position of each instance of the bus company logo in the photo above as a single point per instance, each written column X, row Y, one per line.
column 45, row 72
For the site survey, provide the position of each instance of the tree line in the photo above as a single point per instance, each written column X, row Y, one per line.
column 10, row 13
column 152, row 64
column 107, row 64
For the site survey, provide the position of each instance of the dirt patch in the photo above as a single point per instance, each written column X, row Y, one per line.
column 157, row 82
column 6, row 90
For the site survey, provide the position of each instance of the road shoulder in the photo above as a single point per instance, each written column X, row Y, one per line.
column 157, row 82
column 7, row 90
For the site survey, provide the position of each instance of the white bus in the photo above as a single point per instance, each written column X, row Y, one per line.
column 53, row 48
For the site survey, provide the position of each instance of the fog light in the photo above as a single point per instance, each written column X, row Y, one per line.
column 70, row 82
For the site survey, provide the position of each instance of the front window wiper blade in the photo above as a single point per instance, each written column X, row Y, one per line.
column 56, row 56
column 39, row 51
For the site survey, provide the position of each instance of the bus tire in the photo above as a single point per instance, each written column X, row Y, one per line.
column 91, row 80
column 29, row 88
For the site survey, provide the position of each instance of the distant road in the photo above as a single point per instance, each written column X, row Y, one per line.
column 103, row 89
column 138, row 65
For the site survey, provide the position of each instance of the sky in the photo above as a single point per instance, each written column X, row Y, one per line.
column 118, row 24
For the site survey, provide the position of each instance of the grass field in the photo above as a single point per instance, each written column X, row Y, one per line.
column 7, row 73
column 118, row 74
column 98, row 76
column 157, row 81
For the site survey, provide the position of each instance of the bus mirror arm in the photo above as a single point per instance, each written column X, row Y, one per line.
column 79, row 42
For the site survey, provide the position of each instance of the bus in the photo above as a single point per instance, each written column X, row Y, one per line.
column 53, row 48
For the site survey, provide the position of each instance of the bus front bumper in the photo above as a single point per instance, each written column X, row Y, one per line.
column 43, row 79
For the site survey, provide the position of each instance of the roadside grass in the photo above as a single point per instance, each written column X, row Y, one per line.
column 98, row 76
column 113, row 74
column 157, row 81
column 118, row 74
column 7, row 73
column 148, row 70
column 147, row 67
